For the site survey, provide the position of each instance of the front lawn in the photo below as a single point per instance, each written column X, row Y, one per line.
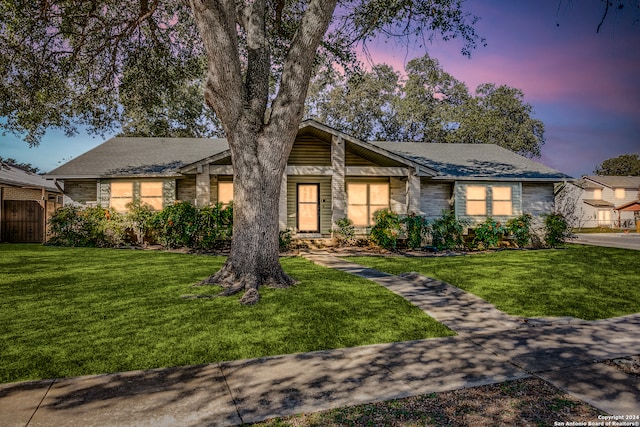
column 587, row 282
column 76, row 311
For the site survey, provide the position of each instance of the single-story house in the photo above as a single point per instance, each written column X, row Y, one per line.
column 27, row 201
column 330, row 175
column 602, row 201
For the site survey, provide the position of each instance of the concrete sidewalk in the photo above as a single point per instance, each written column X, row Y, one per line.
column 564, row 353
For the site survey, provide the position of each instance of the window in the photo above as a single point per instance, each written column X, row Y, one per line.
column 364, row 200
column 476, row 200
column 121, row 194
column 620, row 193
column 225, row 193
column 501, row 199
column 151, row 194
column 495, row 200
column 597, row 194
column 124, row 192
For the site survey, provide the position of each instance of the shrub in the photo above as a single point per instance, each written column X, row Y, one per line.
column 344, row 231
column 139, row 217
column 520, row 229
column 556, row 229
column 284, row 240
column 489, row 233
column 176, row 225
column 446, row 231
column 416, row 227
column 387, row 228
column 214, row 227
column 90, row 226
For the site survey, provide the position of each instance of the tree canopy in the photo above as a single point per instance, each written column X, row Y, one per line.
column 139, row 66
column 623, row 165
column 428, row 105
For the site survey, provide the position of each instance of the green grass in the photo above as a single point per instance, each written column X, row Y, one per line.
column 587, row 282
column 76, row 311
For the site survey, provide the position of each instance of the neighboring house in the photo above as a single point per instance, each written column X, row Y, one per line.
column 602, row 201
column 27, row 200
column 330, row 175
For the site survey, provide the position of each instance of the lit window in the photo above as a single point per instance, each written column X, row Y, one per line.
column 597, row 194
column 121, row 194
column 225, row 193
column 364, row 200
column 151, row 194
column 620, row 194
column 501, row 201
column 476, row 200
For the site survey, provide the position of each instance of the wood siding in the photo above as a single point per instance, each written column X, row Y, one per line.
column 310, row 151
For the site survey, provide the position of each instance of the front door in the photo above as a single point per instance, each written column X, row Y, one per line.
column 308, row 208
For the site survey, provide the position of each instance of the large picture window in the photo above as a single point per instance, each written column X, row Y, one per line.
column 364, row 199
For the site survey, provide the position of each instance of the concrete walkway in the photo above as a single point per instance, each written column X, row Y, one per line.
column 491, row 347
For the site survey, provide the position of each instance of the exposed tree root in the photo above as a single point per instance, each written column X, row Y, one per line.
column 234, row 283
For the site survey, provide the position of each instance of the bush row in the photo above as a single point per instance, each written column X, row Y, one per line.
column 447, row 231
column 184, row 225
column 179, row 225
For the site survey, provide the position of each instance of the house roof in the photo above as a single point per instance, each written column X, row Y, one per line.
column 474, row 161
column 613, row 181
column 16, row 177
column 599, row 203
column 633, row 206
column 135, row 157
column 139, row 157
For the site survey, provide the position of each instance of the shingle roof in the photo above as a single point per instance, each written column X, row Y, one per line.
column 615, row 181
column 472, row 161
column 17, row 177
column 129, row 156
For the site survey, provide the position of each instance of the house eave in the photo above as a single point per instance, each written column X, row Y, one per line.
column 505, row 179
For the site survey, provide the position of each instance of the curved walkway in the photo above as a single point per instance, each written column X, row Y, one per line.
column 491, row 347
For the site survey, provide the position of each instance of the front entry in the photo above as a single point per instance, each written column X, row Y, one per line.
column 308, row 208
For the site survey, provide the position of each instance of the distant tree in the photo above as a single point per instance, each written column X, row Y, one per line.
column 24, row 166
column 430, row 105
column 624, row 165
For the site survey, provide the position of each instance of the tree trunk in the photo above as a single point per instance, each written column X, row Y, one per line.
column 254, row 257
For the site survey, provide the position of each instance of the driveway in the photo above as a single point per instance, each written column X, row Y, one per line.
column 612, row 240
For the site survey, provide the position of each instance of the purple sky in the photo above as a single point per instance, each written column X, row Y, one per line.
column 584, row 86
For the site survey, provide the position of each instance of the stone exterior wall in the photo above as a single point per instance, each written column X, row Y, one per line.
column 82, row 192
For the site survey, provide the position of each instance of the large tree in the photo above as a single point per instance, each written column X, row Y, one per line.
column 64, row 63
column 428, row 105
column 623, row 165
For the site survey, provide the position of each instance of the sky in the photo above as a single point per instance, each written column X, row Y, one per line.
column 584, row 86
